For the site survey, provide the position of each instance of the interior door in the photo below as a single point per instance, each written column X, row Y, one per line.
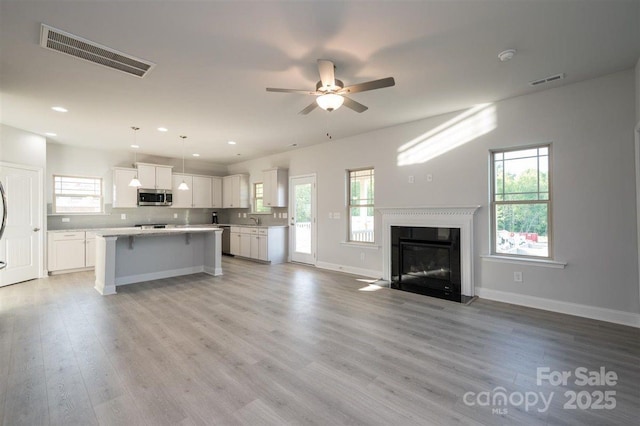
column 302, row 214
column 21, row 244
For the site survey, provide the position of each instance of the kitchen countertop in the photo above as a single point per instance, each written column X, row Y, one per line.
column 136, row 232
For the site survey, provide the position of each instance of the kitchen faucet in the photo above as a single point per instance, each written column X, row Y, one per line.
column 255, row 220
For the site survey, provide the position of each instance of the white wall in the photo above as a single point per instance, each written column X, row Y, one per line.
column 594, row 192
column 21, row 147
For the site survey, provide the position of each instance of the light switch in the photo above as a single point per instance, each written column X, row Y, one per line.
column 123, row 216
column 330, row 215
column 411, row 179
column 239, row 214
column 336, row 215
column 275, row 215
column 284, row 215
column 66, row 219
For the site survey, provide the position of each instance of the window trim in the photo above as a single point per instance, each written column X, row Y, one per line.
column 54, row 205
column 349, row 206
column 493, row 203
column 254, row 200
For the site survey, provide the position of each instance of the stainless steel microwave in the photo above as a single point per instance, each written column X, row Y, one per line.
column 154, row 197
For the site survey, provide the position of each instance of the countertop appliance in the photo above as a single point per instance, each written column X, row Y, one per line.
column 154, row 197
column 3, row 224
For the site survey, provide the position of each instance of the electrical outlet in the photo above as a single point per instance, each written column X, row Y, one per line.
column 123, row 216
column 284, row 215
column 517, row 277
column 330, row 215
column 429, row 177
column 175, row 215
column 66, row 219
column 244, row 215
column 275, row 215
column 336, row 215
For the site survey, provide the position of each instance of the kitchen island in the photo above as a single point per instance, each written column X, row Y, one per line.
column 131, row 255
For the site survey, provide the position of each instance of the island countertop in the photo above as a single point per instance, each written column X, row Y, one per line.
column 136, row 232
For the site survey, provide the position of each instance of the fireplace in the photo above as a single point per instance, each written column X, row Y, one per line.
column 444, row 233
column 426, row 260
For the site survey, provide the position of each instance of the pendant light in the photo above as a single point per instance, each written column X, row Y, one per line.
column 183, row 186
column 135, row 182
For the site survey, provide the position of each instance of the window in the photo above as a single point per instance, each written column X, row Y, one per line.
column 79, row 195
column 361, row 206
column 258, row 199
column 521, row 202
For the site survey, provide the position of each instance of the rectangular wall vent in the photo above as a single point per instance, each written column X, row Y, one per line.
column 60, row 41
column 547, row 79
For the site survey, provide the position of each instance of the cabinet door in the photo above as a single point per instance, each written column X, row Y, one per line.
column 275, row 187
column 245, row 245
column 255, row 247
column 263, row 247
column 147, row 176
column 90, row 250
column 269, row 179
column 227, row 192
column 124, row 196
column 234, row 244
column 69, row 254
column 216, row 192
column 202, row 194
column 182, row 198
column 163, row 177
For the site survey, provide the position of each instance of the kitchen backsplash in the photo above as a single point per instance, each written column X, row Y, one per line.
column 141, row 215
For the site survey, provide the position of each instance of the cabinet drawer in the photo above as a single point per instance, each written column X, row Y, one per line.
column 263, row 231
column 61, row 236
column 236, row 229
column 244, row 230
column 91, row 236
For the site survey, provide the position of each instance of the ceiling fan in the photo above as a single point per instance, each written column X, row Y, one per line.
column 330, row 92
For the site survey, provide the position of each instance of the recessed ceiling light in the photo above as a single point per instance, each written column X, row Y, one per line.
column 231, row 142
column 506, row 55
column 294, row 145
column 59, row 109
column 238, row 155
column 135, row 146
column 196, row 155
column 51, row 134
column 163, row 129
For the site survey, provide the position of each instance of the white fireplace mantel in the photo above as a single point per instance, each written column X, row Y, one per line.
column 437, row 217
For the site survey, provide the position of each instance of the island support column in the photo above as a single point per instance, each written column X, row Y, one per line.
column 105, row 265
column 213, row 253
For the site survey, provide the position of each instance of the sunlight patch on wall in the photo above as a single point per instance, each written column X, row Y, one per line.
column 458, row 131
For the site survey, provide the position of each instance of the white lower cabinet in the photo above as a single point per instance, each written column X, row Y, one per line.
column 70, row 250
column 266, row 244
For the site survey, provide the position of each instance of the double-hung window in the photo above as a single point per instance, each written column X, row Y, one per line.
column 80, row 195
column 361, row 205
column 258, row 199
column 521, row 202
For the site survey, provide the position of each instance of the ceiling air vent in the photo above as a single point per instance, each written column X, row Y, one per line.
column 547, row 80
column 60, row 41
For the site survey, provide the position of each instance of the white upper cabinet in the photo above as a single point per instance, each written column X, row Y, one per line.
column 154, row 176
column 235, row 191
column 202, row 191
column 275, row 187
column 182, row 198
column 216, row 192
column 124, row 196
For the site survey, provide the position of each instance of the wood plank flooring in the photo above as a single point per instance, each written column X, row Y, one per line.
column 292, row 345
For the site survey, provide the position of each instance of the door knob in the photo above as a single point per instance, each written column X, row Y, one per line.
column 36, row 229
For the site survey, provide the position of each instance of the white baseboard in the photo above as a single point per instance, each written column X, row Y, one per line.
column 213, row 271
column 130, row 279
column 349, row 269
column 593, row 312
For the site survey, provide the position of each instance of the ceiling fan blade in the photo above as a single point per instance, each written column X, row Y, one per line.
column 369, row 85
column 302, row 92
column 308, row 109
column 356, row 106
column 327, row 74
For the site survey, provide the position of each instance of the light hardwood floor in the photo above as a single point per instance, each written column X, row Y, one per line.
column 288, row 344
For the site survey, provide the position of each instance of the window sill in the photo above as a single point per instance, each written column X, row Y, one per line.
column 545, row 263
column 369, row 246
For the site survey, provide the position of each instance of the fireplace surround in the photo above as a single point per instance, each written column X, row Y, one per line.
column 458, row 218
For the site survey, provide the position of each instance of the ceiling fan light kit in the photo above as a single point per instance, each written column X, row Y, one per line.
column 330, row 101
column 330, row 92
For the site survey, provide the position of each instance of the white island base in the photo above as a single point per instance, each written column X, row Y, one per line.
column 132, row 256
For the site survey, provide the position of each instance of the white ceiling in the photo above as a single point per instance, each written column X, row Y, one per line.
column 215, row 59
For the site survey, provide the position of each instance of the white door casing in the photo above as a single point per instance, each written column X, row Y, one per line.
column 21, row 245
